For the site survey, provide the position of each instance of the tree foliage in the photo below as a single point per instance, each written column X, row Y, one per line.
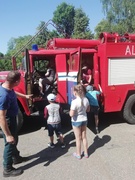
column 81, row 25
column 64, row 19
column 53, row 34
column 72, row 22
column 120, row 16
column 103, row 26
column 42, row 35
column 1, row 55
column 5, row 64
column 11, row 44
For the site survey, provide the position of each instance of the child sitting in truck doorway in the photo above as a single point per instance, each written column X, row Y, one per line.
column 52, row 114
column 48, row 79
column 92, row 96
column 86, row 76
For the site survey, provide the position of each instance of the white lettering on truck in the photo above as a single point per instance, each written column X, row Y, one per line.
column 130, row 50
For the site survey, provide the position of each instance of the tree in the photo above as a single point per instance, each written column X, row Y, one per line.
column 81, row 23
column 1, row 55
column 64, row 19
column 120, row 15
column 17, row 45
column 11, row 44
column 53, row 34
column 103, row 26
column 42, row 35
column 5, row 64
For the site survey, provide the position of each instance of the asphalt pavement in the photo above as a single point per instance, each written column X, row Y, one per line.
column 111, row 153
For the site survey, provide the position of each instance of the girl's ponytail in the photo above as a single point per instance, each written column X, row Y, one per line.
column 80, row 90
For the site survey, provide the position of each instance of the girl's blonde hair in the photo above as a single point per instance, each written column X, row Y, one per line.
column 80, row 90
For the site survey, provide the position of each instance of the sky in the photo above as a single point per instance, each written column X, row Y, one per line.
column 22, row 17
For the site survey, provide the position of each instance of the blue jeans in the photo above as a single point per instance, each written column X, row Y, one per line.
column 10, row 150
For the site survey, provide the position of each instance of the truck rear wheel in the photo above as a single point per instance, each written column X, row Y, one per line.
column 129, row 110
column 19, row 119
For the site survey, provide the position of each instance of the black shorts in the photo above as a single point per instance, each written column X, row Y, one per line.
column 54, row 128
column 94, row 109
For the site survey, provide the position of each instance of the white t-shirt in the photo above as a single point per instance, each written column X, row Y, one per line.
column 79, row 106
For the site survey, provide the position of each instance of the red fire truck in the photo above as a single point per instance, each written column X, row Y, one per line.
column 111, row 59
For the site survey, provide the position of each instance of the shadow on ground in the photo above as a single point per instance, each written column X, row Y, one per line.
column 35, row 123
column 48, row 155
column 98, row 142
column 105, row 120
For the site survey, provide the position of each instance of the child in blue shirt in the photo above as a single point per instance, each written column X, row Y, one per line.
column 92, row 96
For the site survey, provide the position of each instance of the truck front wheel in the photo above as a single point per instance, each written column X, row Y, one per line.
column 129, row 110
column 19, row 119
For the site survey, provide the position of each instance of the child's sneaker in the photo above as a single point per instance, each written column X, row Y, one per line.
column 77, row 156
column 86, row 155
column 63, row 145
column 51, row 145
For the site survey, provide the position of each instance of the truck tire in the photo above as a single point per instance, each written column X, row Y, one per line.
column 129, row 110
column 19, row 119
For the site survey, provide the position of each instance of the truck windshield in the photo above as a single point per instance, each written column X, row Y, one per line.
column 41, row 65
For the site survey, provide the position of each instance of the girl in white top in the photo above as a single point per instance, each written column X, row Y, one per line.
column 78, row 112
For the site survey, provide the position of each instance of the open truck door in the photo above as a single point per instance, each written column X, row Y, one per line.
column 28, row 76
column 61, row 75
column 74, row 72
column 68, row 74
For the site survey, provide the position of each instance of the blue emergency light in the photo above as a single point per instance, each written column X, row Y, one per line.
column 35, row 47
